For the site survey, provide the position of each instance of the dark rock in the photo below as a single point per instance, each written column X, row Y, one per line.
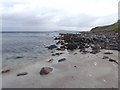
column 57, row 54
column 57, row 38
column 105, row 40
column 51, row 60
column 62, row 43
column 58, row 49
column 62, row 48
column 75, row 66
column 105, row 57
column 21, row 74
column 71, row 46
column 52, row 51
column 112, row 60
column 58, row 42
column 53, row 54
column 63, row 59
column 52, row 47
column 18, row 57
column 46, row 70
column 5, row 71
column 84, row 52
column 74, row 53
column 95, row 49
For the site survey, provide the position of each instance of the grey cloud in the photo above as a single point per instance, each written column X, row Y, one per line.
column 87, row 21
column 46, row 20
column 26, row 22
column 77, row 21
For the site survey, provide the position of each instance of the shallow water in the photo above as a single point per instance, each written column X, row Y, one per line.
column 29, row 47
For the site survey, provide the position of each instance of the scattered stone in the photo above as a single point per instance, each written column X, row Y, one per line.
column 57, row 38
column 84, row 52
column 21, row 74
column 95, row 49
column 112, row 60
column 46, row 70
column 62, row 48
column 74, row 53
column 5, row 71
column 52, row 51
column 105, row 57
column 18, row 57
column 63, row 59
column 51, row 60
column 53, row 54
column 59, row 49
column 57, row 54
column 52, row 47
column 75, row 66
column 71, row 46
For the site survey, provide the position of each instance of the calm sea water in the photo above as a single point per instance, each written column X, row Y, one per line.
column 29, row 46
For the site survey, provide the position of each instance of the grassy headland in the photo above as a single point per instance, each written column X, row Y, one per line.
column 108, row 28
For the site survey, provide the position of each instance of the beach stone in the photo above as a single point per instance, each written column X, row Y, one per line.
column 52, row 47
column 112, row 60
column 60, row 49
column 52, row 51
column 63, row 59
column 18, row 57
column 58, row 42
column 75, row 66
column 71, row 46
column 84, row 52
column 5, row 71
column 53, row 54
column 59, row 54
column 51, row 60
column 21, row 74
column 56, row 54
column 57, row 38
column 74, row 53
column 105, row 57
column 62, row 43
column 95, row 49
column 46, row 70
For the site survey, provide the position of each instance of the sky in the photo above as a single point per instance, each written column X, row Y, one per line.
column 45, row 15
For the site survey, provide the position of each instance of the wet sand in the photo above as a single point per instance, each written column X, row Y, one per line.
column 77, row 71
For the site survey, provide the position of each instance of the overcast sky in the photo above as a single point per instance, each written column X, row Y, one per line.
column 40, row 15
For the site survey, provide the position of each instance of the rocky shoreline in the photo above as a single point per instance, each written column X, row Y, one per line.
column 83, row 40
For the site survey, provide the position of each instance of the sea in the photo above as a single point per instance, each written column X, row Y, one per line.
column 20, row 49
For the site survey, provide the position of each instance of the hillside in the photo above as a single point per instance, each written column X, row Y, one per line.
column 108, row 28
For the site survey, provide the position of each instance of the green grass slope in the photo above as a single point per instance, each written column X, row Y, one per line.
column 107, row 28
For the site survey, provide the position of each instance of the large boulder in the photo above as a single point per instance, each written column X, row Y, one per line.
column 46, row 70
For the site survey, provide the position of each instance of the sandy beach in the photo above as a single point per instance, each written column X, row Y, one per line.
column 77, row 71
